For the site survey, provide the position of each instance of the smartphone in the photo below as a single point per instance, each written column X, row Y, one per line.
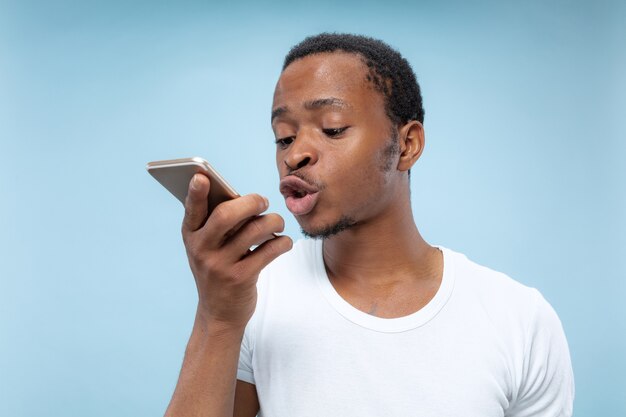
column 175, row 175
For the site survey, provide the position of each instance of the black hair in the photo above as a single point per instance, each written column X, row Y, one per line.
column 390, row 73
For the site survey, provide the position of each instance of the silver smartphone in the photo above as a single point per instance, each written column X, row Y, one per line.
column 175, row 175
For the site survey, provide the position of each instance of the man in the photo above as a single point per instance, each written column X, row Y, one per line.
column 366, row 319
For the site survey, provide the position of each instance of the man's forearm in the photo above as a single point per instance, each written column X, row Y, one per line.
column 207, row 381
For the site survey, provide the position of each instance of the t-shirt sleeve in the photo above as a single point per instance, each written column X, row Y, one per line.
column 547, row 382
column 244, row 369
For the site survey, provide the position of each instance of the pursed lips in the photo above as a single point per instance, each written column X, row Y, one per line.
column 300, row 196
column 293, row 186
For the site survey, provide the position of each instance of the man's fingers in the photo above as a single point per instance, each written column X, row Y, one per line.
column 229, row 215
column 260, row 257
column 196, row 203
column 256, row 231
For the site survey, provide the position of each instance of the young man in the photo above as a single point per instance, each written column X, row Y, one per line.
column 366, row 319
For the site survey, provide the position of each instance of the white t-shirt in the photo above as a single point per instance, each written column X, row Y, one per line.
column 485, row 346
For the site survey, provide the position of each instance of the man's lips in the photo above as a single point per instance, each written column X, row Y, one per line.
column 300, row 196
column 292, row 185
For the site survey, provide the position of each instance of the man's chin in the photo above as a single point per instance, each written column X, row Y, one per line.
column 329, row 230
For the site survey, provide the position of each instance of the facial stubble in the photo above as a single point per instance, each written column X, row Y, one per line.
column 387, row 157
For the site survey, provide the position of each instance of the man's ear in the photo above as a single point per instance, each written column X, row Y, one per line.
column 411, row 144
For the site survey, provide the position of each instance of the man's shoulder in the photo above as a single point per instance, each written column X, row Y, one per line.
column 503, row 299
column 481, row 279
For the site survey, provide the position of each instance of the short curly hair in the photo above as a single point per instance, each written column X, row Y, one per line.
column 390, row 73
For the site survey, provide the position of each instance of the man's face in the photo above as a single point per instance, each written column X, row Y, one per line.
column 336, row 149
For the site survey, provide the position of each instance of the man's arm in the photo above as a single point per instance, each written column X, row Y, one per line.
column 226, row 272
column 207, row 381
column 246, row 400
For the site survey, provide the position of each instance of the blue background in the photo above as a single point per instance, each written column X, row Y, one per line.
column 523, row 171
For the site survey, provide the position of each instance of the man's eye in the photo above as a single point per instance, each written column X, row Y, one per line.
column 331, row 133
column 284, row 142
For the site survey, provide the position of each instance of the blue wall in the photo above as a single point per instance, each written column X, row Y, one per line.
column 523, row 171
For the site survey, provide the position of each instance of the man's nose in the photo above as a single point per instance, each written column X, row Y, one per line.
column 302, row 151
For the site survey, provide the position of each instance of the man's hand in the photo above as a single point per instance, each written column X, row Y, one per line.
column 226, row 272
column 218, row 248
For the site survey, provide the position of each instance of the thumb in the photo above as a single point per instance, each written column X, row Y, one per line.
column 196, row 203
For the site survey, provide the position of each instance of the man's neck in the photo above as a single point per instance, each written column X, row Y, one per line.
column 381, row 252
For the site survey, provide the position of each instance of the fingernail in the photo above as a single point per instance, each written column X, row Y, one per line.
column 194, row 182
column 266, row 203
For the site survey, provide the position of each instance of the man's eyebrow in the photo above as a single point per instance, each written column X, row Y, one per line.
column 279, row 111
column 314, row 105
column 324, row 102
